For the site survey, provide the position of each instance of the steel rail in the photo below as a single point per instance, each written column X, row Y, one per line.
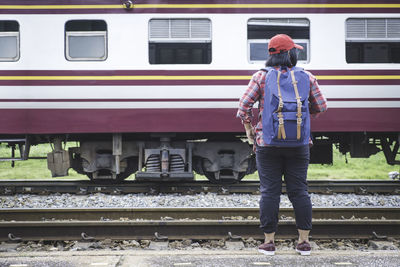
column 189, row 229
column 181, row 213
column 194, row 223
column 9, row 187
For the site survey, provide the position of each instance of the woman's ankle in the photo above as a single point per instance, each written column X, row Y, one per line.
column 303, row 236
column 269, row 237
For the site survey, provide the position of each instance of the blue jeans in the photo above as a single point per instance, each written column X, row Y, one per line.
column 292, row 164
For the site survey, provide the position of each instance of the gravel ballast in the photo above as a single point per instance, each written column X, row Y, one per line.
column 100, row 200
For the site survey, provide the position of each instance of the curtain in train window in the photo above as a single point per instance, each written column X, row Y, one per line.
column 373, row 40
column 261, row 30
column 180, row 41
column 86, row 40
column 9, row 40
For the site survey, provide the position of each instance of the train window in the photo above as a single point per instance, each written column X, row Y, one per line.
column 9, row 40
column 259, row 31
column 86, row 40
column 373, row 40
column 180, row 41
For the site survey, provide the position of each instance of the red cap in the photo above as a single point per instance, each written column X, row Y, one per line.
column 281, row 43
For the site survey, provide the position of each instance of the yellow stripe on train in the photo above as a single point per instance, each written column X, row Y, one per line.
column 161, row 77
column 201, row 6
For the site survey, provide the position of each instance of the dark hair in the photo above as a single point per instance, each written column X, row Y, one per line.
column 283, row 59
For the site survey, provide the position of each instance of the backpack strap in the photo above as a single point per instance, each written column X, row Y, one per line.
column 281, row 129
column 296, row 91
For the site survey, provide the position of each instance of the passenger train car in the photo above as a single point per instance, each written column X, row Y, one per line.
column 152, row 87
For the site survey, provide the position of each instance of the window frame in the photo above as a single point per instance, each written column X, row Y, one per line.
column 266, row 41
column 86, row 34
column 366, row 39
column 12, row 34
column 178, row 40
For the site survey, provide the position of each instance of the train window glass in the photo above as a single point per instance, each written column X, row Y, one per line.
column 9, row 40
column 373, row 40
column 260, row 31
column 86, row 40
column 180, row 41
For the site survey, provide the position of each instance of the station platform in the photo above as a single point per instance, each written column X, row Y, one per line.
column 198, row 258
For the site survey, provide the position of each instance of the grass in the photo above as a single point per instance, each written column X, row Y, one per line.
column 374, row 167
column 33, row 168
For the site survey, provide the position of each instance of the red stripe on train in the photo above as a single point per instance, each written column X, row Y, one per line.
column 309, row 10
column 46, row 121
column 110, row 2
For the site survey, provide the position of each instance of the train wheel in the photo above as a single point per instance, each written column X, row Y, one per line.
column 226, row 177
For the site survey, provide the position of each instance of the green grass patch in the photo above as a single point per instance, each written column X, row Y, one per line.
column 33, row 168
column 374, row 167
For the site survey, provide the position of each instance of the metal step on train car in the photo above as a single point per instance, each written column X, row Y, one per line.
column 152, row 87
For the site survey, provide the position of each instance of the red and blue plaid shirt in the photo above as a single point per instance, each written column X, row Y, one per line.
column 255, row 92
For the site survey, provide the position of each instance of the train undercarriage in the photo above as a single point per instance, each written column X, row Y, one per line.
column 158, row 160
column 172, row 157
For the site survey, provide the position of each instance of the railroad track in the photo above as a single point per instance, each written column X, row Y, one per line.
column 188, row 223
column 10, row 187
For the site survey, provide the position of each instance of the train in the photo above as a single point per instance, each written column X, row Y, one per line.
column 151, row 87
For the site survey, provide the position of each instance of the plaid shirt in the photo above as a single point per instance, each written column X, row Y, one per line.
column 255, row 92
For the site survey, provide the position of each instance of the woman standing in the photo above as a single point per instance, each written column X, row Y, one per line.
column 287, row 95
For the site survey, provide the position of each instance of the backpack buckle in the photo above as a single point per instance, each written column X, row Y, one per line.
column 299, row 120
column 280, row 118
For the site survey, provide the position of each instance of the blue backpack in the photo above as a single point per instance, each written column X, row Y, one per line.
column 286, row 116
